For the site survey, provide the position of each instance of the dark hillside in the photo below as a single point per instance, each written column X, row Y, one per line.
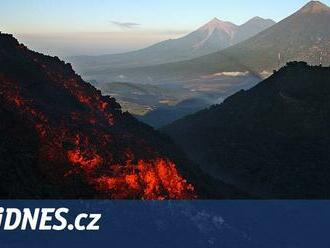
column 272, row 140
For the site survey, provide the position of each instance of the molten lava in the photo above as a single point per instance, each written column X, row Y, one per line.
column 156, row 179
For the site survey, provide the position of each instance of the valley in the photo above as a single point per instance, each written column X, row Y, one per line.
column 159, row 105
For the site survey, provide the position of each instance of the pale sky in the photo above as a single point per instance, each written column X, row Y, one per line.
column 72, row 27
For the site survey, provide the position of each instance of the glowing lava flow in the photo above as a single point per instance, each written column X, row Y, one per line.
column 94, row 138
column 151, row 180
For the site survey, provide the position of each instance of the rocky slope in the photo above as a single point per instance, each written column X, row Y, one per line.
column 60, row 138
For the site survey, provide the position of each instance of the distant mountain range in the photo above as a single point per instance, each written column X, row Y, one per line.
column 272, row 140
column 303, row 36
column 212, row 37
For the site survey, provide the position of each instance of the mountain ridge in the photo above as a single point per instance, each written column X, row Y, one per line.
column 314, row 7
column 259, row 55
column 211, row 37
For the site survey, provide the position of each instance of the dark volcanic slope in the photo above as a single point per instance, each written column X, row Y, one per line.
column 61, row 138
column 273, row 140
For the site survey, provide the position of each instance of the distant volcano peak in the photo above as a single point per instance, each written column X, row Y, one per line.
column 314, row 7
column 215, row 19
column 258, row 18
column 216, row 24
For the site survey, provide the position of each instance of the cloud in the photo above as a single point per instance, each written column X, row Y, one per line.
column 126, row 25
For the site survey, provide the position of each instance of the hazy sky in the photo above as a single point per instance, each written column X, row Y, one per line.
column 69, row 27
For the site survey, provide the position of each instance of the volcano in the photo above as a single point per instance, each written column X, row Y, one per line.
column 60, row 138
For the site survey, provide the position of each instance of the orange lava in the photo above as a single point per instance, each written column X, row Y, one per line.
column 151, row 180
column 84, row 159
column 81, row 140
